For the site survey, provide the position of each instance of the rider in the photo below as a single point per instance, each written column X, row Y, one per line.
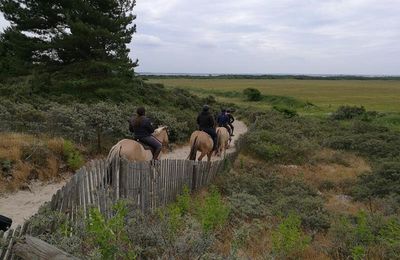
column 223, row 120
column 206, row 123
column 141, row 127
column 231, row 120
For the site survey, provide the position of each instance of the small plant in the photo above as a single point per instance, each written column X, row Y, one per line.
column 287, row 112
column 72, row 155
column 288, row 238
column 252, row 94
column 110, row 236
column 358, row 253
column 183, row 201
column 213, row 212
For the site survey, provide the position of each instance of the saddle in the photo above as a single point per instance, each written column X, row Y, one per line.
column 145, row 146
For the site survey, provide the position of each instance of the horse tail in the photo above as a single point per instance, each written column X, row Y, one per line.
column 193, row 150
column 113, row 157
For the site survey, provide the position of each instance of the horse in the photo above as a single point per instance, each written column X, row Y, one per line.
column 200, row 141
column 223, row 140
column 133, row 151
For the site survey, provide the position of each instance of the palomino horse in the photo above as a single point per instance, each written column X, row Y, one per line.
column 132, row 150
column 223, row 140
column 200, row 141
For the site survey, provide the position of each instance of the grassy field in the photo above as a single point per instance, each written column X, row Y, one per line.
column 378, row 95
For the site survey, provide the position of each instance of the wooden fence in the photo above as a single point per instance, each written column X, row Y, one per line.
column 148, row 185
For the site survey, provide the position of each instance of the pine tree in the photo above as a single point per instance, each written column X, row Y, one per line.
column 78, row 38
column 15, row 54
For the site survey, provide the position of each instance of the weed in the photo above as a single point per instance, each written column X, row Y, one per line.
column 288, row 238
column 214, row 212
column 110, row 236
column 72, row 155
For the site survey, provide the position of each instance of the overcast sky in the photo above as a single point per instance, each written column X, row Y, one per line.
column 267, row 36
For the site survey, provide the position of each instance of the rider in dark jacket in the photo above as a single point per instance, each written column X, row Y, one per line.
column 231, row 120
column 142, row 129
column 223, row 120
column 206, row 123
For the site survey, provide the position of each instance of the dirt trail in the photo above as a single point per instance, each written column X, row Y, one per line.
column 21, row 205
column 183, row 152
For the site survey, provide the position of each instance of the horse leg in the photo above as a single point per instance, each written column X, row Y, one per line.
column 209, row 156
column 201, row 156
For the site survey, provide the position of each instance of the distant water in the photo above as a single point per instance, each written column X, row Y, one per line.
column 263, row 74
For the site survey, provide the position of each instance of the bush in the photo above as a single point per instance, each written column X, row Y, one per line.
column 287, row 239
column 252, row 94
column 287, row 112
column 360, row 236
column 213, row 213
column 246, row 206
column 73, row 156
column 348, row 112
column 110, row 236
column 382, row 182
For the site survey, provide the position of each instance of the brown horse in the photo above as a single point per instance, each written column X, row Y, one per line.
column 223, row 140
column 132, row 150
column 200, row 141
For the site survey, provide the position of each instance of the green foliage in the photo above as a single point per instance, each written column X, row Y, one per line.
column 288, row 112
column 246, row 206
column 252, row 94
column 213, row 213
column 183, row 201
column 383, row 181
column 73, row 157
column 110, row 236
column 87, row 43
column 255, row 191
column 357, row 236
column 295, row 144
column 288, row 238
column 348, row 112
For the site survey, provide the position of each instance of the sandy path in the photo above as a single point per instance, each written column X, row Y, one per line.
column 183, row 152
column 21, row 205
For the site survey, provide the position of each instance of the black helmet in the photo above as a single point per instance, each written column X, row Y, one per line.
column 206, row 108
column 141, row 111
column 229, row 110
column 223, row 110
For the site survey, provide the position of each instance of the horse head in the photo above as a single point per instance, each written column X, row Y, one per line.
column 161, row 133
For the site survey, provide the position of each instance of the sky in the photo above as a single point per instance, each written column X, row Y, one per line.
column 267, row 36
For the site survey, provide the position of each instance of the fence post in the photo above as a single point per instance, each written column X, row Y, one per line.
column 194, row 176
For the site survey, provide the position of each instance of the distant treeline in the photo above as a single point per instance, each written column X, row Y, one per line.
column 299, row 77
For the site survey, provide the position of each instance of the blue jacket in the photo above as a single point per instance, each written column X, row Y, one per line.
column 145, row 128
column 223, row 119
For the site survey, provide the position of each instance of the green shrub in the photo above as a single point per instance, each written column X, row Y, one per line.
column 110, row 236
column 214, row 212
column 252, row 94
column 246, row 206
column 287, row 112
column 183, row 201
column 288, row 238
column 357, row 237
column 72, row 155
column 348, row 112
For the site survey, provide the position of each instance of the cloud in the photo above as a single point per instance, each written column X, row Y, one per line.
column 268, row 36
column 3, row 22
column 147, row 40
